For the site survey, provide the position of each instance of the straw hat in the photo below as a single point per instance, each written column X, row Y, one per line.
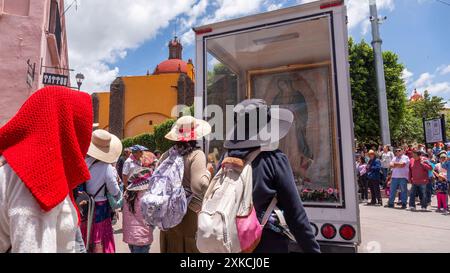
column 188, row 128
column 105, row 146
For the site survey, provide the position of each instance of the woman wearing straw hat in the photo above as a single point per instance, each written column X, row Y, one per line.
column 105, row 149
column 197, row 174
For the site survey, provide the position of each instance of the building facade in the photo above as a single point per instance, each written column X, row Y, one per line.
column 32, row 39
column 135, row 104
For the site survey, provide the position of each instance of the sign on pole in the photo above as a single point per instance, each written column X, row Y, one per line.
column 55, row 79
column 433, row 130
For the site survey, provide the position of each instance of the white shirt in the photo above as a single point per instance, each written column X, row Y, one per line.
column 386, row 159
column 25, row 227
column 130, row 165
column 401, row 172
column 101, row 173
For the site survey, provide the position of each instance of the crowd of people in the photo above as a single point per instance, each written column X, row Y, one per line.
column 412, row 172
column 61, row 182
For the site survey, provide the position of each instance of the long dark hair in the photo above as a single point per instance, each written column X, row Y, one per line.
column 185, row 148
column 130, row 198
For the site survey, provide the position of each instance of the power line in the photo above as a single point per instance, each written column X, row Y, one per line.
column 443, row 2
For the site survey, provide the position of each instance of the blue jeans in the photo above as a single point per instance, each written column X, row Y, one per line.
column 429, row 190
column 139, row 249
column 385, row 175
column 399, row 183
column 422, row 194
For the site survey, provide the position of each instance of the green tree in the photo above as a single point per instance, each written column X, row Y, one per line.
column 159, row 133
column 365, row 96
column 429, row 107
column 127, row 142
column 146, row 140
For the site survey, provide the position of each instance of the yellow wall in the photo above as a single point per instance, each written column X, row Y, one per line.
column 103, row 110
column 148, row 98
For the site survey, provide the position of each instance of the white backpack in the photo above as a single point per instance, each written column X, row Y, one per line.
column 227, row 222
column 165, row 203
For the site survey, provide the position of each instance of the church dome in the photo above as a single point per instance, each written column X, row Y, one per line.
column 171, row 66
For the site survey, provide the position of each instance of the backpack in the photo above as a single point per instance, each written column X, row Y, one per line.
column 165, row 203
column 228, row 222
column 83, row 199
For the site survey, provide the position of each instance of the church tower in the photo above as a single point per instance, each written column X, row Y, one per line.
column 175, row 49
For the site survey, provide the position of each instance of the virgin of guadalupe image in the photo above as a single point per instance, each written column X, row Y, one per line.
column 295, row 145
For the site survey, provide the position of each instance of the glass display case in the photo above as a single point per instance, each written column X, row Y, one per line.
column 289, row 64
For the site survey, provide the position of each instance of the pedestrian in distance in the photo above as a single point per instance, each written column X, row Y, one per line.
column 399, row 178
column 119, row 166
column 418, row 175
column 386, row 157
column 42, row 151
column 362, row 179
column 132, row 162
column 374, row 176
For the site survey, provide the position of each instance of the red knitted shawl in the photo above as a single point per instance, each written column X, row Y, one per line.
column 46, row 142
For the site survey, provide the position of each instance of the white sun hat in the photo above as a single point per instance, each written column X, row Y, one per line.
column 188, row 128
column 105, row 146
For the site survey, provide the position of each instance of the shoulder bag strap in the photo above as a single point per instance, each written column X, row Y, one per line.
column 269, row 210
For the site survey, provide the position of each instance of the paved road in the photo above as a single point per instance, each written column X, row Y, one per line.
column 395, row 230
column 383, row 230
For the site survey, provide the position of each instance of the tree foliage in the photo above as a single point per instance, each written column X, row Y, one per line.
column 365, row 95
column 159, row 133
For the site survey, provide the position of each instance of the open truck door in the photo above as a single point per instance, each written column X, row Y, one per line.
column 296, row 58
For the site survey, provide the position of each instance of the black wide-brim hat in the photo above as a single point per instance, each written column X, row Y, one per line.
column 258, row 132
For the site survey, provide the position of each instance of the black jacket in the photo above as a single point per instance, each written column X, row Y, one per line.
column 272, row 174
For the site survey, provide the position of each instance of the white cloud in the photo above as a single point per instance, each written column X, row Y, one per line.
column 224, row 9
column 443, row 70
column 439, row 89
column 425, row 79
column 101, row 32
column 274, row 6
column 407, row 75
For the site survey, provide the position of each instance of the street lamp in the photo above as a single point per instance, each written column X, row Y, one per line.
column 80, row 78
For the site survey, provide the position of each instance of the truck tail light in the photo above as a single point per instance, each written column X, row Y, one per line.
column 332, row 4
column 202, row 31
column 347, row 232
column 328, row 231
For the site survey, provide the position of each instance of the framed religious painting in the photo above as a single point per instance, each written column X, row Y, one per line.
column 310, row 144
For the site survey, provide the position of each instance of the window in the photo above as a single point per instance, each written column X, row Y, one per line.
column 16, row 7
column 55, row 23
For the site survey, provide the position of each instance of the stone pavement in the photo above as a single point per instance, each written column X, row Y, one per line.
column 383, row 230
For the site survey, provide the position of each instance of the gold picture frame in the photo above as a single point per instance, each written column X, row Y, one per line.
column 314, row 107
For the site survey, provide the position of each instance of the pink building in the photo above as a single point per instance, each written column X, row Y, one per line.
column 33, row 41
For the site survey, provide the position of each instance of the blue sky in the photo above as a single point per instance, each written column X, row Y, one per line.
column 116, row 37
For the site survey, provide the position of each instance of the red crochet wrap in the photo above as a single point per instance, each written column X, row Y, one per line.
column 46, row 142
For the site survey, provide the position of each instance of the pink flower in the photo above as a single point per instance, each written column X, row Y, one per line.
column 330, row 191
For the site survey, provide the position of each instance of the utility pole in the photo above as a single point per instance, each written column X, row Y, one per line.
column 379, row 67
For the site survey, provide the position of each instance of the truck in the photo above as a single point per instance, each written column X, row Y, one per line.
column 296, row 58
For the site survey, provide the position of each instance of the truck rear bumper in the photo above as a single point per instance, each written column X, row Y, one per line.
column 328, row 247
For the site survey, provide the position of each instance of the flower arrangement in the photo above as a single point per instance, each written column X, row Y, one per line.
column 319, row 195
